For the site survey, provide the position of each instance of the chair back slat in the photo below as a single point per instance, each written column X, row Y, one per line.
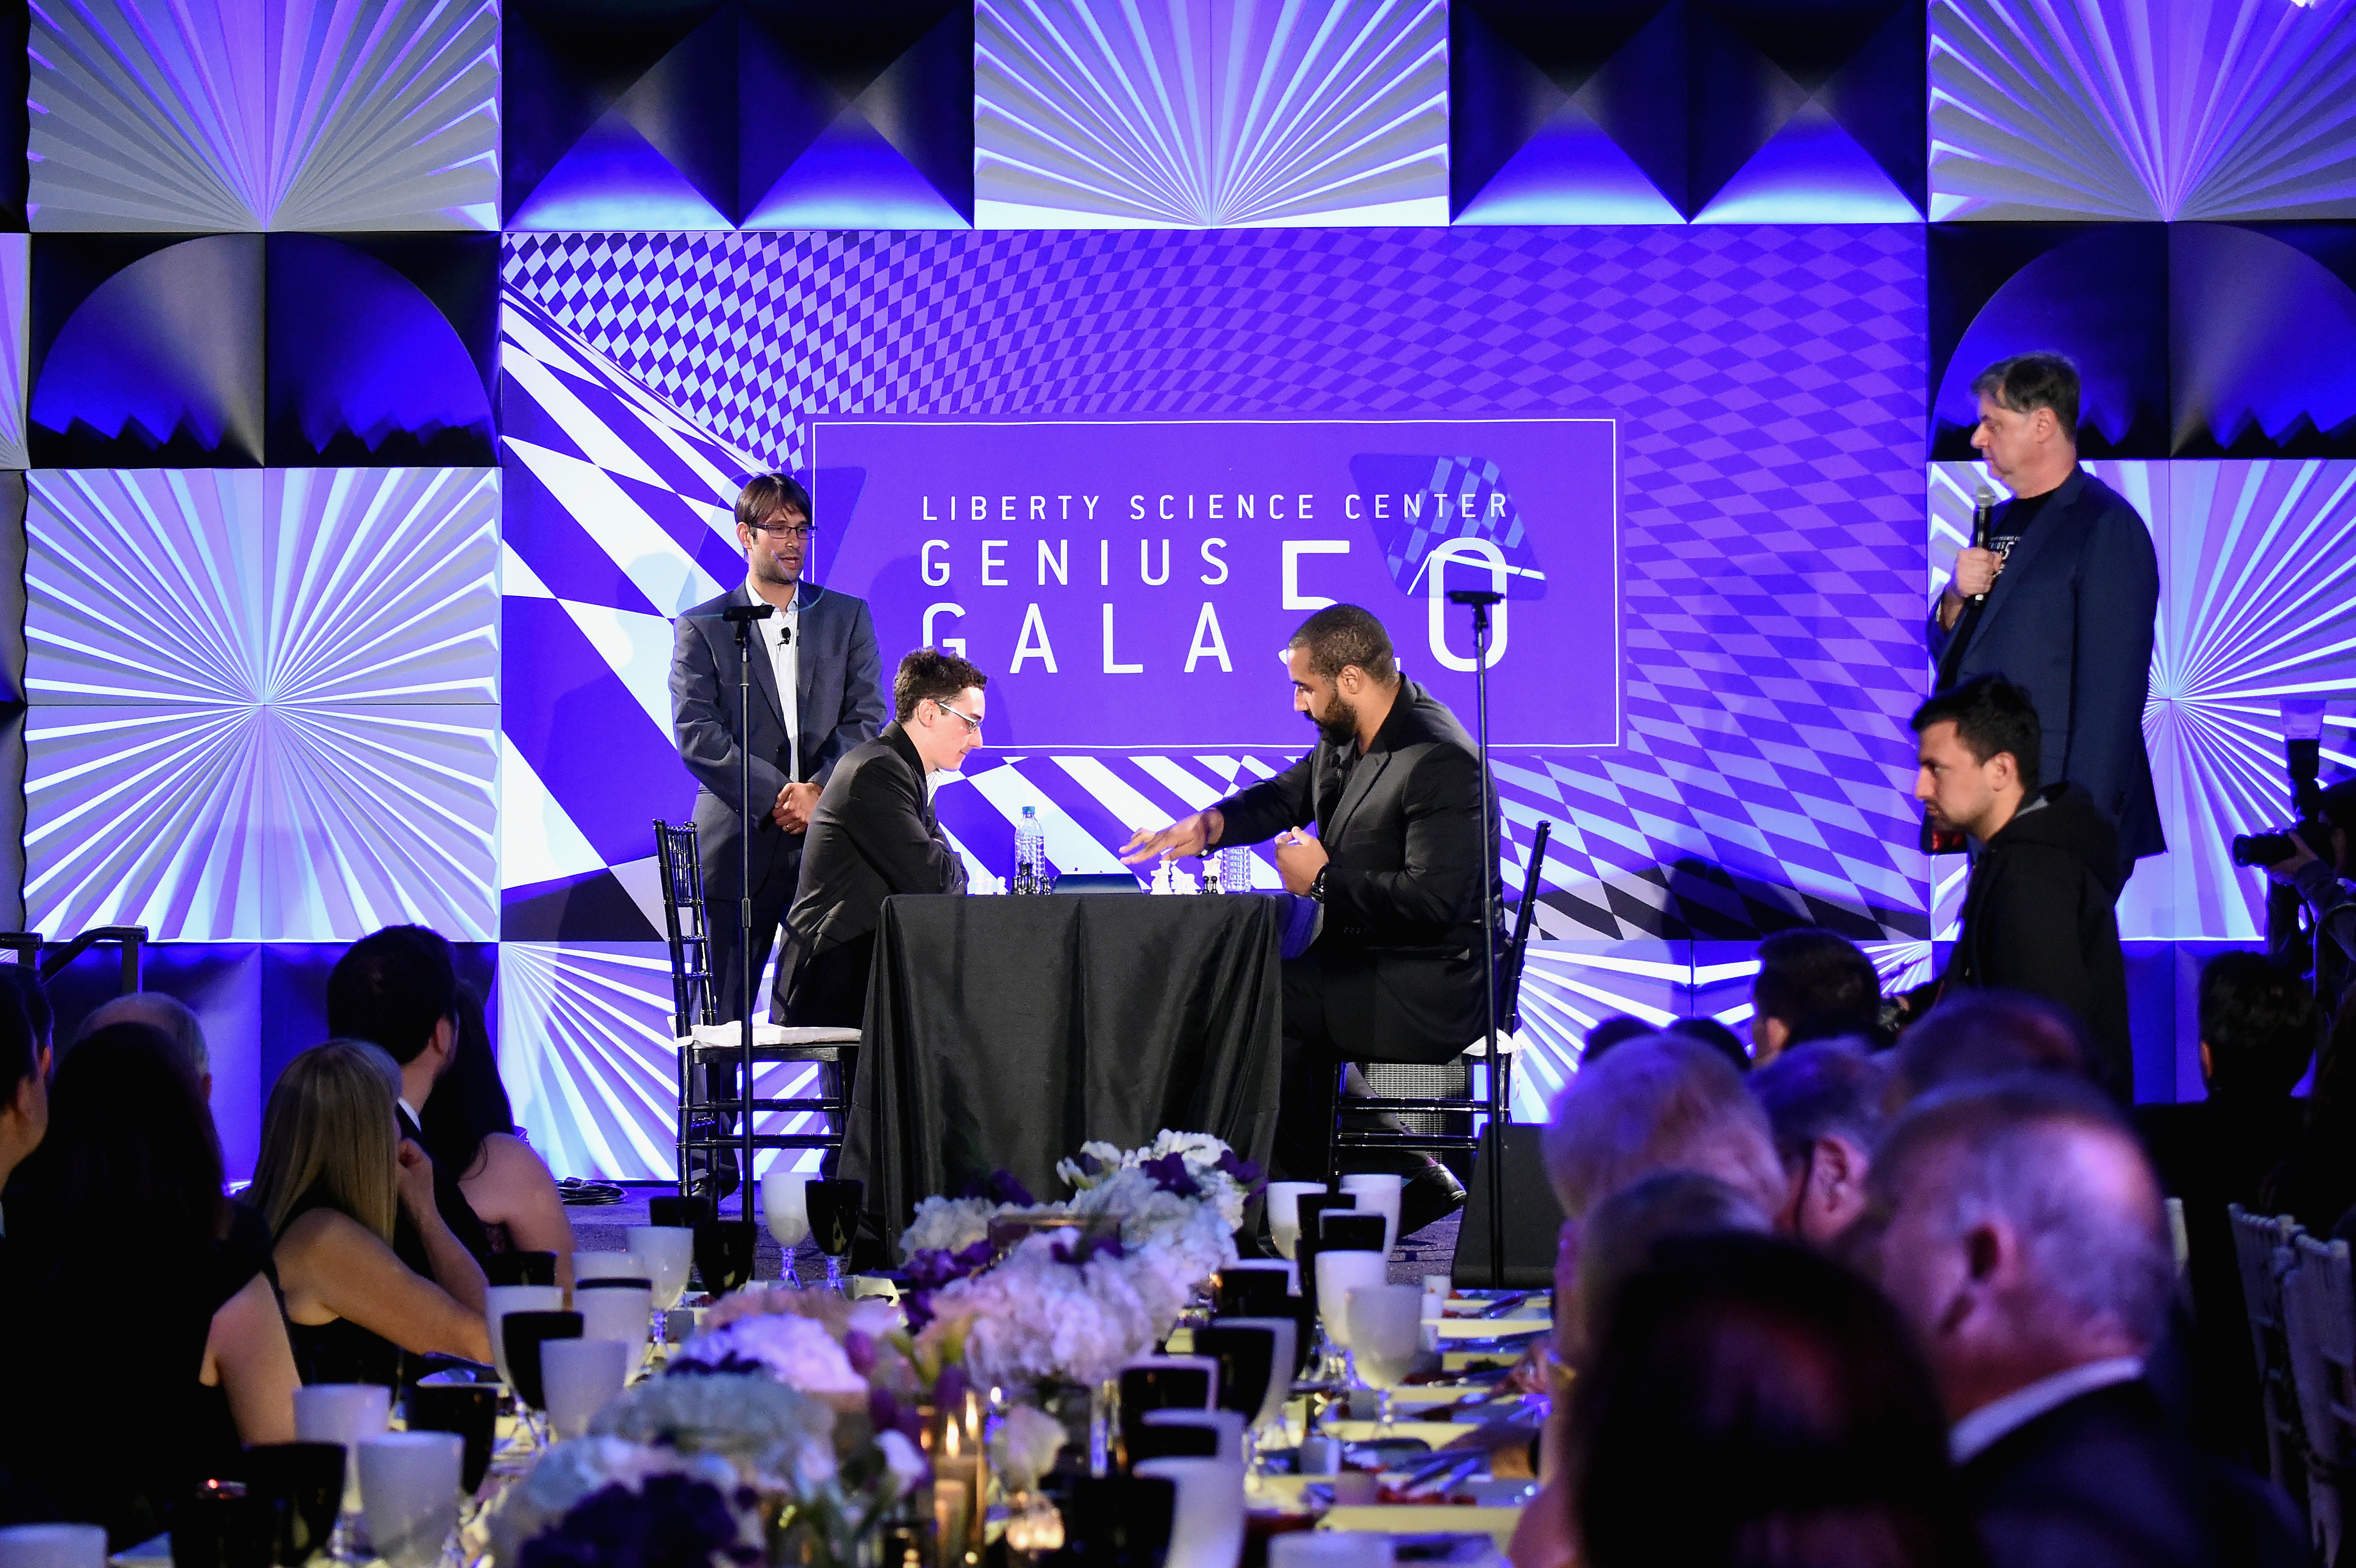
column 2264, row 1249
column 1509, row 977
column 685, row 930
column 2320, row 1326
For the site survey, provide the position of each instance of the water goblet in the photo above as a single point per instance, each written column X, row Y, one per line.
column 1206, row 1529
column 685, row 1213
column 470, row 1410
column 1385, row 1337
column 525, row 1332
column 578, row 1376
column 1338, row 1274
column 304, row 1482
column 1256, row 1356
column 1380, row 1194
column 724, row 1255
column 1284, row 1216
column 623, row 1264
column 520, row 1268
column 343, row 1414
column 617, row 1309
column 1253, row 1287
column 785, row 1207
column 1190, row 1434
column 409, row 1492
column 667, row 1253
column 833, row 1208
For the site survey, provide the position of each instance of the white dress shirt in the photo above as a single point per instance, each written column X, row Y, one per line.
column 1977, row 1433
column 782, row 633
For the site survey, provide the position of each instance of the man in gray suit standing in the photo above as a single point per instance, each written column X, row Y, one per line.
column 819, row 645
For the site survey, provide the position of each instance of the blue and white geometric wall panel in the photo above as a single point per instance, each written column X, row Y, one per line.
column 264, row 702
column 300, row 114
column 2257, row 566
column 618, row 517
column 383, row 114
column 1197, row 113
column 16, row 300
column 313, row 586
column 585, row 1049
column 279, row 822
column 2120, row 109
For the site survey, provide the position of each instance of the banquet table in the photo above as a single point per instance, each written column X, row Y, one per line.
column 1002, row 1033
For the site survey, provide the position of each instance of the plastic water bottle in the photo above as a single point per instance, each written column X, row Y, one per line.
column 1236, row 870
column 1030, row 853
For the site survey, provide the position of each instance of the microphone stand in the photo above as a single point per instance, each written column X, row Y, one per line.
column 741, row 617
column 1479, row 600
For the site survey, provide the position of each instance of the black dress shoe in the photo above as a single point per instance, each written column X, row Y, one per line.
column 715, row 1186
column 1432, row 1193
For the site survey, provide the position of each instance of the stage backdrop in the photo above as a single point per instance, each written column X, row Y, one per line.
column 384, row 370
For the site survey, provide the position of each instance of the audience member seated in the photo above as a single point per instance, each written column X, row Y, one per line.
column 167, row 1350
column 470, row 1131
column 1661, row 1103
column 2019, row 1230
column 398, row 989
column 1619, row 1239
column 1982, row 1034
column 1616, row 1029
column 1755, row 1403
column 2316, row 1182
column 1824, row 1100
column 1715, row 1035
column 1811, row 985
column 333, row 1171
column 169, row 1014
column 2257, row 1035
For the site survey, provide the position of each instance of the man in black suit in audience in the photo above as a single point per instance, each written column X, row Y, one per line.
column 1396, row 971
column 2068, row 594
column 2258, row 1025
column 874, row 835
column 398, row 989
column 2021, row 1232
column 815, row 696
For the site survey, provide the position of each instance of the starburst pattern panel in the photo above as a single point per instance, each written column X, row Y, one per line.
column 2118, row 109
column 284, row 115
column 16, row 297
column 264, row 702
column 1196, row 113
column 2257, row 565
column 1773, row 637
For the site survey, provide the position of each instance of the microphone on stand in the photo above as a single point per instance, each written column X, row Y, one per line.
column 1982, row 524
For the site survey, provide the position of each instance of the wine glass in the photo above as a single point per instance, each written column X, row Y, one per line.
column 1207, row 1528
column 1253, row 1287
column 616, row 1309
column 606, row 1265
column 724, row 1255
column 1284, row 1215
column 1257, row 1357
column 1385, row 1337
column 786, row 1206
column 579, row 1376
column 667, row 1253
column 833, row 1208
column 409, row 1494
column 470, row 1410
column 1338, row 1274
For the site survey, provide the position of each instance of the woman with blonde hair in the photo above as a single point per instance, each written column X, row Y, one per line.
column 333, row 1180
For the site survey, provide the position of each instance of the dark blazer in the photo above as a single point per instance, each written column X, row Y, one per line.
column 1401, row 826
column 2071, row 619
column 2103, row 1481
column 874, row 835
column 839, row 704
column 450, row 1199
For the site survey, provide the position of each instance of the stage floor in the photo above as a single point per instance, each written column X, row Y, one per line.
column 599, row 1228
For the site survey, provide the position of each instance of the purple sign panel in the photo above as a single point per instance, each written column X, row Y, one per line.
column 1130, row 586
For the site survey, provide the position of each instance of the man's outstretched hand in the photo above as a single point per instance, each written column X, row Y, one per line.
column 1187, row 836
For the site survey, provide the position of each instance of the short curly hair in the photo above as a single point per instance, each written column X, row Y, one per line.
column 930, row 674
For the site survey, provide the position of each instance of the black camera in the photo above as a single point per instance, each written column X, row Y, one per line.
column 2274, row 848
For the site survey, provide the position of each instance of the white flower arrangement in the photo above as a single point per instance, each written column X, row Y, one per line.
column 1023, row 1446
column 570, row 1472
column 798, row 1352
column 953, row 1224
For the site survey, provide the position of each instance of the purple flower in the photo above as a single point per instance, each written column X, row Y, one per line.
column 1243, row 1172
column 930, row 1268
column 998, row 1187
column 675, row 1523
column 1171, row 1175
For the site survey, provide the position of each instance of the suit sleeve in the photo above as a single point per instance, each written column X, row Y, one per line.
column 2118, row 599
column 700, row 721
column 861, row 718
column 1936, row 637
column 886, row 823
column 1255, row 815
column 1439, row 885
column 2027, row 930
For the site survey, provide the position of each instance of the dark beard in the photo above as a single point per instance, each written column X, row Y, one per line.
column 1340, row 725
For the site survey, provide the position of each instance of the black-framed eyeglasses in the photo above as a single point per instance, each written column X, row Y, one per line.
column 799, row 533
column 973, row 725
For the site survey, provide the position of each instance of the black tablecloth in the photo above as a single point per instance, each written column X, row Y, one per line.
column 1002, row 1033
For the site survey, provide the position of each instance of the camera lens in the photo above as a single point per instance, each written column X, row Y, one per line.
column 2262, row 849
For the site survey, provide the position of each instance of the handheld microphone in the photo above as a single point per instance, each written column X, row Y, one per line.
column 1983, row 521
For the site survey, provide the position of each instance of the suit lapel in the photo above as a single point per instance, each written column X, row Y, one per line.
column 2048, row 523
column 1362, row 779
column 805, row 666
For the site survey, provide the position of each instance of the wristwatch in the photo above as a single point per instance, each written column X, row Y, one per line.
column 1317, row 888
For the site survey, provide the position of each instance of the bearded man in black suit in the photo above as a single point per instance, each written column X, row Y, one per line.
column 1396, row 970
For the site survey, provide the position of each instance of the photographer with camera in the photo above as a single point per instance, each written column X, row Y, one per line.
column 2309, row 867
